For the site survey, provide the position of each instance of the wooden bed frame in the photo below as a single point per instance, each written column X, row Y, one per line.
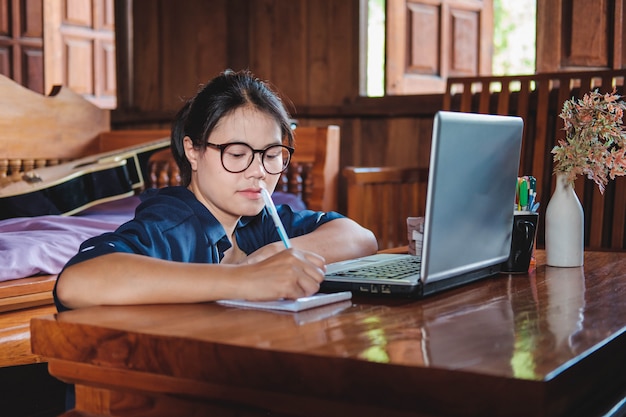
column 39, row 131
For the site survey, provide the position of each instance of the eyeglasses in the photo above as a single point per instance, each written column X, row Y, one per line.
column 238, row 156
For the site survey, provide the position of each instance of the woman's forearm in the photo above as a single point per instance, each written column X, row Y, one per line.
column 338, row 240
column 122, row 278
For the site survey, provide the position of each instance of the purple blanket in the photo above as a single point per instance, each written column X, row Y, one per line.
column 43, row 244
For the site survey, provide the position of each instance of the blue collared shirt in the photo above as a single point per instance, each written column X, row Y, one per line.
column 171, row 224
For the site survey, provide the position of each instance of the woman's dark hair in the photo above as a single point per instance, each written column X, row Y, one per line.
column 221, row 96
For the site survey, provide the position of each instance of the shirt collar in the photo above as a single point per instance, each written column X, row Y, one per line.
column 213, row 229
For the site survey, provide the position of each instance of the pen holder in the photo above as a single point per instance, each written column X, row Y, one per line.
column 415, row 232
column 522, row 243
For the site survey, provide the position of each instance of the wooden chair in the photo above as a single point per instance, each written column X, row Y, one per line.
column 538, row 99
column 381, row 198
column 313, row 173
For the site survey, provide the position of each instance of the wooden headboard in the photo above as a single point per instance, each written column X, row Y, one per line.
column 46, row 129
column 38, row 131
column 39, row 135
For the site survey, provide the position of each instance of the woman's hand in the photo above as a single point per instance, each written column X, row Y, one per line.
column 264, row 253
column 288, row 273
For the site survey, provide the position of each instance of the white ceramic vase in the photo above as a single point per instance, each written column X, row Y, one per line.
column 564, row 226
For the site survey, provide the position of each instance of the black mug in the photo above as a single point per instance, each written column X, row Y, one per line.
column 522, row 243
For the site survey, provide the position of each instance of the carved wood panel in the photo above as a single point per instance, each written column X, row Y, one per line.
column 80, row 48
column 21, row 42
column 585, row 48
column 580, row 34
column 430, row 40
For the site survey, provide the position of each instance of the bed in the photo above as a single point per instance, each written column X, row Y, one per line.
column 48, row 142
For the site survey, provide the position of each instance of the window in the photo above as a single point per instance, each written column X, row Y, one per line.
column 437, row 39
column 514, row 32
column 375, row 48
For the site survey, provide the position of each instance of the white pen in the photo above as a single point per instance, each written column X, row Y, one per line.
column 272, row 209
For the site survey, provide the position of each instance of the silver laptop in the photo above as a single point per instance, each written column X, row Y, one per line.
column 473, row 170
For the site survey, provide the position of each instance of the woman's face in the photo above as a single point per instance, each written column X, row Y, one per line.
column 227, row 195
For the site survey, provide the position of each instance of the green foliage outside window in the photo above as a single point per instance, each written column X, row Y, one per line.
column 514, row 37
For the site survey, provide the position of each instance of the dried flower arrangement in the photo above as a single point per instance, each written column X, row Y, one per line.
column 595, row 143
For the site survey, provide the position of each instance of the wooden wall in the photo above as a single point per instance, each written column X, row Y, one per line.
column 308, row 49
column 575, row 35
column 21, row 43
column 79, row 39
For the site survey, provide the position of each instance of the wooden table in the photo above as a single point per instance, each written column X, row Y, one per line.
column 550, row 343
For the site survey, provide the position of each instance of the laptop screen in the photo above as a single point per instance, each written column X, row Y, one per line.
column 473, row 169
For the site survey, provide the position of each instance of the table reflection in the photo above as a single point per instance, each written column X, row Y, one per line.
column 566, row 303
column 523, row 326
column 498, row 345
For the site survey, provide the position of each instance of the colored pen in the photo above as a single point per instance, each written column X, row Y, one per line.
column 531, row 199
column 535, row 207
column 269, row 204
column 533, row 184
column 523, row 194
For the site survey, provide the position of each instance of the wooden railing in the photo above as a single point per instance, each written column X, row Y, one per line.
column 538, row 99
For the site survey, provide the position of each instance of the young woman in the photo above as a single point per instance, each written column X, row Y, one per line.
column 212, row 238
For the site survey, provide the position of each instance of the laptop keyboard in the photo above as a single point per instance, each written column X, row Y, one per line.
column 397, row 269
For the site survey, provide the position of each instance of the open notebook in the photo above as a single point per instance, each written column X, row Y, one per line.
column 473, row 170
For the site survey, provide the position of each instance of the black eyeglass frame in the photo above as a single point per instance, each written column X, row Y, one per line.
column 223, row 146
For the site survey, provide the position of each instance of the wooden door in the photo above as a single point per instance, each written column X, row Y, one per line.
column 21, row 42
column 580, row 34
column 79, row 40
column 430, row 40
